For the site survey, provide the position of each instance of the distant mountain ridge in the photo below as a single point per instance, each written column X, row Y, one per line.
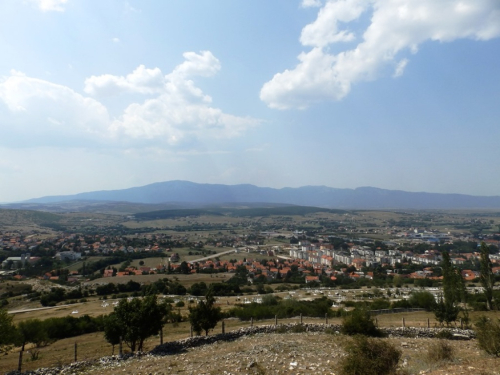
column 182, row 192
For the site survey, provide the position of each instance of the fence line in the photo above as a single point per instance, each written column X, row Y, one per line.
column 395, row 311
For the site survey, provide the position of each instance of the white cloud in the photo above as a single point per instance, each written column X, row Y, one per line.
column 395, row 26
column 179, row 111
column 115, row 40
column 324, row 30
column 176, row 111
column 311, row 3
column 400, row 67
column 50, row 5
column 141, row 80
column 204, row 64
column 40, row 109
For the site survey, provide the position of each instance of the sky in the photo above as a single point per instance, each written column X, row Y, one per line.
column 111, row 94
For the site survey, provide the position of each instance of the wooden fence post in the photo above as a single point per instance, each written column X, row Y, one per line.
column 251, row 322
column 275, row 320
column 223, row 327
column 326, row 318
column 428, row 323
column 403, row 322
column 75, row 351
column 121, row 347
column 161, row 336
column 191, row 331
column 300, row 318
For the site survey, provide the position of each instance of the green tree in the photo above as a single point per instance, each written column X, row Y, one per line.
column 138, row 319
column 205, row 315
column 184, row 268
column 448, row 306
column 34, row 331
column 112, row 330
column 423, row 299
column 486, row 277
column 7, row 331
column 359, row 322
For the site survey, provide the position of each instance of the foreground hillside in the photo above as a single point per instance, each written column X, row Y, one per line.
column 290, row 353
column 297, row 353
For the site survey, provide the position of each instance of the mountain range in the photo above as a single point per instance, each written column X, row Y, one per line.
column 190, row 193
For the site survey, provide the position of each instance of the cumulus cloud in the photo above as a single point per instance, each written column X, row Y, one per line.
column 36, row 107
column 181, row 111
column 50, row 5
column 141, row 81
column 395, row 26
column 174, row 111
column 325, row 30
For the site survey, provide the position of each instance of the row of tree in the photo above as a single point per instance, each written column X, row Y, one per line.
column 42, row 332
column 454, row 300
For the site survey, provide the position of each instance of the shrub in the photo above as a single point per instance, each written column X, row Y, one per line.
column 298, row 328
column 380, row 304
column 440, row 351
column 444, row 334
column 488, row 335
column 34, row 354
column 369, row 356
column 281, row 329
column 330, row 331
column 423, row 299
column 359, row 322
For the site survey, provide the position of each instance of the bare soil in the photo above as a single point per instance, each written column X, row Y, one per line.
column 288, row 353
column 298, row 353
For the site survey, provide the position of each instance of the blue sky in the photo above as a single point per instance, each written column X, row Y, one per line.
column 98, row 95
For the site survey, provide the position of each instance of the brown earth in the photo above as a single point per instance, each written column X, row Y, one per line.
column 298, row 353
column 288, row 353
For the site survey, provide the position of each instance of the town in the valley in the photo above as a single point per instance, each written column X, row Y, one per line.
column 316, row 249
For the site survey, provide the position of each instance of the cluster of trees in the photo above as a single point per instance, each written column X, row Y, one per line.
column 42, row 332
column 454, row 300
column 133, row 321
column 272, row 306
column 59, row 294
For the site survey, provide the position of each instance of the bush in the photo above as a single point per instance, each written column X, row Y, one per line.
column 423, row 299
column 440, row 351
column 359, row 322
column 488, row 335
column 298, row 328
column 444, row 334
column 368, row 356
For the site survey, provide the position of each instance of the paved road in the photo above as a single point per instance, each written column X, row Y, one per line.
column 213, row 256
column 36, row 309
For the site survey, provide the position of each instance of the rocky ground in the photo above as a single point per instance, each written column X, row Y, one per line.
column 296, row 353
column 286, row 353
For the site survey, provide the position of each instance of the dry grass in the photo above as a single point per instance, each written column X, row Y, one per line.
column 270, row 354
